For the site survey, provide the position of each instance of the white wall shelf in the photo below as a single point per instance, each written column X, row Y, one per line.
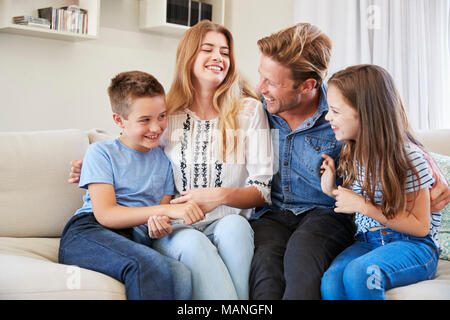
column 12, row 8
column 153, row 13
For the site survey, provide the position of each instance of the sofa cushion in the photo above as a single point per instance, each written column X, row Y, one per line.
column 436, row 289
column 23, row 277
column 444, row 230
column 36, row 200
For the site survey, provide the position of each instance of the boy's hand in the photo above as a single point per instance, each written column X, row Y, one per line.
column 347, row 201
column 207, row 198
column 189, row 211
column 159, row 227
column 75, row 171
column 328, row 179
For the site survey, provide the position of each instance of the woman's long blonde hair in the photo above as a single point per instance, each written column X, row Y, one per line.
column 384, row 129
column 228, row 97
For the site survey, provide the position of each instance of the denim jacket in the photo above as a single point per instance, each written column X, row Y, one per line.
column 296, row 183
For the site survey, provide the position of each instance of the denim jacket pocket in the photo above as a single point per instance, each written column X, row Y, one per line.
column 313, row 148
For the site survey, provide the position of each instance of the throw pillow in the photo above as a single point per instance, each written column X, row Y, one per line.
column 444, row 230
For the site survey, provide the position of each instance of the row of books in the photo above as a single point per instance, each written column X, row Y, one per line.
column 68, row 19
column 32, row 21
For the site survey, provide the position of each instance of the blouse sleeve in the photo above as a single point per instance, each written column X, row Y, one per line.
column 259, row 149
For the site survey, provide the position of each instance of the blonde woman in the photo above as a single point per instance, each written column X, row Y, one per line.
column 218, row 141
column 219, row 144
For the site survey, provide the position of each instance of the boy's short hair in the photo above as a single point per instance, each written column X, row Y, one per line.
column 303, row 48
column 127, row 86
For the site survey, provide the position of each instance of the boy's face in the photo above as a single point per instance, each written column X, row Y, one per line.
column 145, row 124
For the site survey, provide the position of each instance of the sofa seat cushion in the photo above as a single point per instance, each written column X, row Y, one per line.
column 29, row 270
column 436, row 289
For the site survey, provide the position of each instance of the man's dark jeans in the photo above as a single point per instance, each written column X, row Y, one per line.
column 293, row 252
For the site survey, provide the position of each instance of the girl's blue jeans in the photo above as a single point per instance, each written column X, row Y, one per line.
column 378, row 261
column 218, row 256
column 126, row 256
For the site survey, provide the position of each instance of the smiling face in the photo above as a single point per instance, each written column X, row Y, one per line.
column 343, row 117
column 144, row 124
column 277, row 86
column 212, row 62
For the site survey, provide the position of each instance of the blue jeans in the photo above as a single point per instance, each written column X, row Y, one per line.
column 218, row 256
column 378, row 261
column 126, row 256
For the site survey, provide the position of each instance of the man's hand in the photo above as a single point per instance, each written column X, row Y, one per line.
column 439, row 195
column 75, row 171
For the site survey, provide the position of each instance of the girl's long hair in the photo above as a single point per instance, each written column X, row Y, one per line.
column 227, row 100
column 379, row 147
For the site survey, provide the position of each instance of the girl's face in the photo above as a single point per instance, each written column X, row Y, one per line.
column 343, row 118
column 212, row 62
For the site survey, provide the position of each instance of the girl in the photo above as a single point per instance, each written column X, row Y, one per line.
column 218, row 141
column 386, row 182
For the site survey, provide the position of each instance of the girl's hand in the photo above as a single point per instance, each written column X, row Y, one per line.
column 328, row 179
column 347, row 201
column 207, row 198
column 188, row 211
column 159, row 227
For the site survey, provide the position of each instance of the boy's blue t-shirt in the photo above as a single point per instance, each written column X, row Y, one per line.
column 140, row 179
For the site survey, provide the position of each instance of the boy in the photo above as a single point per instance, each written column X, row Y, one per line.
column 130, row 183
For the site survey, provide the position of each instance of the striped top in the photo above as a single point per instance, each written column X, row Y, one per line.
column 423, row 179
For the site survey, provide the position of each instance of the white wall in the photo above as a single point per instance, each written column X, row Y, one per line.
column 50, row 84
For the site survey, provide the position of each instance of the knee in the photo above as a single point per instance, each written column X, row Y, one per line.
column 234, row 228
column 360, row 278
column 191, row 245
column 331, row 285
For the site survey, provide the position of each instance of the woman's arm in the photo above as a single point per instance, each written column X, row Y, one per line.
column 210, row 198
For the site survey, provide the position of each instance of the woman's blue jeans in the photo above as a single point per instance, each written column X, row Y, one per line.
column 218, row 256
column 126, row 256
column 378, row 261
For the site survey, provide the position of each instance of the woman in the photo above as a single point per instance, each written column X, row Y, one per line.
column 218, row 141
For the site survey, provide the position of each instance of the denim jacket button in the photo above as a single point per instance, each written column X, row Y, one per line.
column 317, row 148
column 286, row 163
column 286, row 189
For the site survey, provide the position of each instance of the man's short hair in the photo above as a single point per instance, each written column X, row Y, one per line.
column 303, row 48
column 127, row 86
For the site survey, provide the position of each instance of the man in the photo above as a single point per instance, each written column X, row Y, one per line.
column 299, row 234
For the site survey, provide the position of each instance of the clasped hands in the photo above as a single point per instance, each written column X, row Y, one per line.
column 190, row 207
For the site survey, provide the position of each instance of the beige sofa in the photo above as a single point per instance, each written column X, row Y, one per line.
column 36, row 201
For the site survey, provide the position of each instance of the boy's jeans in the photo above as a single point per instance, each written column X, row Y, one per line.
column 378, row 261
column 126, row 256
column 218, row 256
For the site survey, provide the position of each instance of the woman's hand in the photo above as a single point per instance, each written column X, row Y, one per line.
column 207, row 198
column 159, row 226
column 347, row 201
column 188, row 211
column 75, row 171
column 328, row 178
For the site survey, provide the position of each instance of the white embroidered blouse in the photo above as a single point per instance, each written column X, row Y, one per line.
column 191, row 144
